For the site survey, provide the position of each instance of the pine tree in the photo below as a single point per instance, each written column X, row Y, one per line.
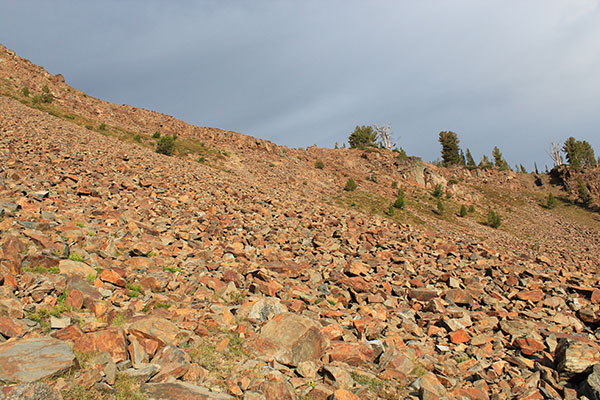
column 450, row 149
column 470, row 161
column 362, row 137
column 579, row 153
column 499, row 161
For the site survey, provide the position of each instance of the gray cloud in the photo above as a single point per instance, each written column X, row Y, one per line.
column 513, row 74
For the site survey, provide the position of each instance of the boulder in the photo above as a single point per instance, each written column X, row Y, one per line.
column 290, row 339
column 28, row 360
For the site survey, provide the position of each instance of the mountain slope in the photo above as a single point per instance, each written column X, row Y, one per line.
column 253, row 274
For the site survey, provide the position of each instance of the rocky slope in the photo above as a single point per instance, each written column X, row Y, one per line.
column 129, row 274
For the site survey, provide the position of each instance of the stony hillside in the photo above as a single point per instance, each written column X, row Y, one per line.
column 238, row 269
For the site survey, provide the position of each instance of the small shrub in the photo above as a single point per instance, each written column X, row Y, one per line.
column 551, row 201
column 25, row 91
column 400, row 200
column 463, row 211
column 437, row 192
column 165, row 145
column 453, row 181
column 138, row 138
column 75, row 257
column 471, row 208
column 391, row 210
column 319, row 164
column 201, row 159
column 494, row 220
column 102, row 127
column 350, row 185
column 171, row 269
column 158, row 304
column 394, row 185
column 440, row 207
column 584, row 194
column 46, row 96
column 90, row 127
column 156, row 135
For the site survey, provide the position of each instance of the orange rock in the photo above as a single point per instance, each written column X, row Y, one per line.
column 531, row 295
column 74, row 299
column 110, row 276
column 528, row 346
column 111, row 340
column 342, row 394
column 459, row 336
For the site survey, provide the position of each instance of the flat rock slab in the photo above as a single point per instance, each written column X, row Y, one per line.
column 180, row 391
column 70, row 268
column 156, row 328
column 291, row 339
column 28, row 360
column 29, row 391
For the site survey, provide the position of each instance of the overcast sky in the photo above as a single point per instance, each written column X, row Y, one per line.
column 516, row 74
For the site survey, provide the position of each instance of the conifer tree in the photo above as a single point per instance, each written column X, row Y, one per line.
column 450, row 149
column 469, row 159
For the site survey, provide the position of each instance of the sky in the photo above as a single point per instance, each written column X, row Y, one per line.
column 517, row 74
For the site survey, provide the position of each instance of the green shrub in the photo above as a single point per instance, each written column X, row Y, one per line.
column 25, row 91
column 551, row 201
column 350, row 185
column 584, row 194
column 102, row 127
column 471, row 208
column 394, row 185
column 319, row 164
column 46, row 96
column 400, row 200
column 156, row 135
column 463, row 211
column 391, row 210
column 165, row 145
column 75, row 257
column 437, row 192
column 440, row 207
column 138, row 138
column 494, row 220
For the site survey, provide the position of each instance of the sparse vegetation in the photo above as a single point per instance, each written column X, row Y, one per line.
column 25, row 91
column 319, row 164
column 75, row 257
column 440, row 207
column 437, row 191
column 551, row 201
column 172, row 269
column 156, row 135
column 494, row 220
column 41, row 270
column 400, row 201
column 584, row 194
column 463, row 211
column 350, row 185
column 166, row 145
